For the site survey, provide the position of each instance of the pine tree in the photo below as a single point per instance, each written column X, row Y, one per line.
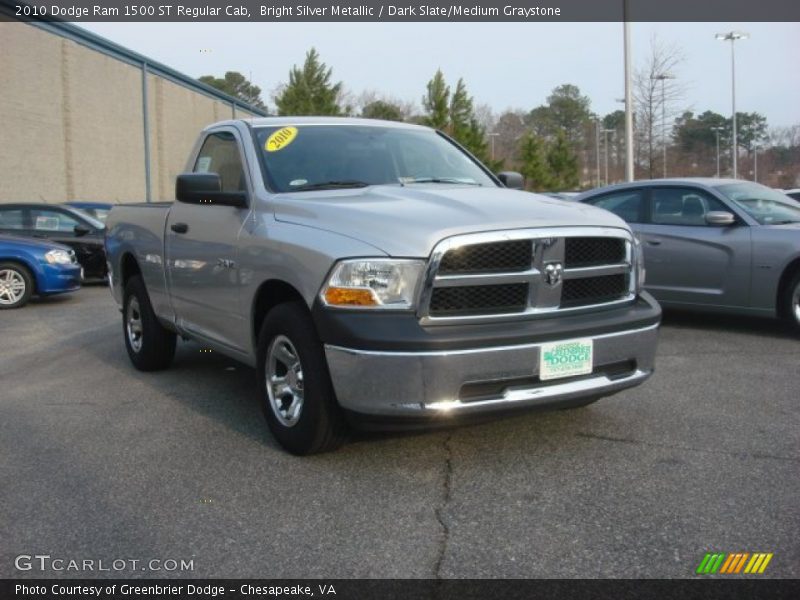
column 309, row 91
column 437, row 103
column 535, row 168
column 563, row 164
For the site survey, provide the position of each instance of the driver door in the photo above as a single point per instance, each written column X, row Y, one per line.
column 202, row 250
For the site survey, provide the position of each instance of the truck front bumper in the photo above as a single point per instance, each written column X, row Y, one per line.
column 483, row 379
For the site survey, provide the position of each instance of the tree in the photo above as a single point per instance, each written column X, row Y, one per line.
column 654, row 97
column 751, row 128
column 533, row 163
column 310, row 91
column 235, row 84
column 455, row 115
column 436, row 102
column 563, row 164
column 381, row 109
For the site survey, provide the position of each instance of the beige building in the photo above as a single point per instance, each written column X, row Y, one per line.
column 86, row 119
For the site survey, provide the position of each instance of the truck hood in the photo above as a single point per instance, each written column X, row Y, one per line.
column 407, row 221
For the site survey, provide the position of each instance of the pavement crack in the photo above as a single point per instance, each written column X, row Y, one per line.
column 441, row 517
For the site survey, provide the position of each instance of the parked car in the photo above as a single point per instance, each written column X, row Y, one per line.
column 96, row 210
column 561, row 195
column 375, row 272
column 714, row 244
column 793, row 194
column 61, row 224
column 29, row 267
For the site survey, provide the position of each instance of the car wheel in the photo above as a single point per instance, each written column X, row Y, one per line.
column 16, row 285
column 791, row 302
column 150, row 345
column 295, row 387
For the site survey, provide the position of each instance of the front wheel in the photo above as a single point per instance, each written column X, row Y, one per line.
column 16, row 285
column 150, row 345
column 791, row 302
column 295, row 387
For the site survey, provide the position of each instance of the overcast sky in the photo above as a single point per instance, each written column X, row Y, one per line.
column 504, row 64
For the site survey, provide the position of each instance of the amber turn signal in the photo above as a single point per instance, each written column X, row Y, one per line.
column 349, row 297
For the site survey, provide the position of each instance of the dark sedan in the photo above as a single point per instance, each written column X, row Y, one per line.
column 714, row 244
column 96, row 210
column 62, row 224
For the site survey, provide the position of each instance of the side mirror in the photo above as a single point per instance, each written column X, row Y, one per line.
column 81, row 230
column 511, row 179
column 206, row 188
column 720, row 217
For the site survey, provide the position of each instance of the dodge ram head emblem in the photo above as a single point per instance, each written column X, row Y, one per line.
column 553, row 273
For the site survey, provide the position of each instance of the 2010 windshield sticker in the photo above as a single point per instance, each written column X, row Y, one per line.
column 280, row 139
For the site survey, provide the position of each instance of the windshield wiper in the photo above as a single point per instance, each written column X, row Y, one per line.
column 331, row 185
column 440, row 180
column 783, row 222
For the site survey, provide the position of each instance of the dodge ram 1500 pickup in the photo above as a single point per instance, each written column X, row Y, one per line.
column 377, row 274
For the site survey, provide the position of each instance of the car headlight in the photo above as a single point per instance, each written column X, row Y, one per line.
column 638, row 258
column 59, row 257
column 373, row 283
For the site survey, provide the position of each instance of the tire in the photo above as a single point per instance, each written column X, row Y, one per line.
column 150, row 346
column 299, row 405
column 790, row 303
column 16, row 285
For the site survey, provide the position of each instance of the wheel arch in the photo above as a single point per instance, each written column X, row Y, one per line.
column 270, row 294
column 788, row 273
column 128, row 267
column 30, row 265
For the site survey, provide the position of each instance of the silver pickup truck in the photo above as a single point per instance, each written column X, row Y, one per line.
column 376, row 274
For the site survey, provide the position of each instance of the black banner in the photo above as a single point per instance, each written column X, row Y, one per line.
column 399, row 10
column 405, row 589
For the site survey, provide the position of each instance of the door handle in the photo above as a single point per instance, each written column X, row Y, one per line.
column 179, row 227
column 653, row 242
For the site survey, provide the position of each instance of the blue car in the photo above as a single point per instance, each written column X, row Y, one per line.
column 29, row 266
column 98, row 210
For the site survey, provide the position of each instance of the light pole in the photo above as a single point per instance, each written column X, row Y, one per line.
column 605, row 144
column 628, row 94
column 491, row 137
column 662, row 77
column 597, row 150
column 716, row 130
column 755, row 162
column 731, row 37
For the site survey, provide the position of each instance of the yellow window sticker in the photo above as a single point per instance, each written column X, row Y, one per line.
column 280, row 139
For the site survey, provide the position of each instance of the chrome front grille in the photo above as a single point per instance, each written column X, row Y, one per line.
column 527, row 272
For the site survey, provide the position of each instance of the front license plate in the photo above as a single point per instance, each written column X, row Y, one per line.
column 565, row 359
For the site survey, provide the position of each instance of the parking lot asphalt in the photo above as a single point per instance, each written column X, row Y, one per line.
column 101, row 462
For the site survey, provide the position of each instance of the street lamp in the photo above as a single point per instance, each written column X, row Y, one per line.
column 716, row 130
column 731, row 37
column 605, row 144
column 755, row 162
column 597, row 149
column 662, row 77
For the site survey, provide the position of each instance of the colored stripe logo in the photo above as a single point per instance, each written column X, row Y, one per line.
column 734, row 563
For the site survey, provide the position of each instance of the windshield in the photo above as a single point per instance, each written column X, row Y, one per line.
column 341, row 156
column 764, row 204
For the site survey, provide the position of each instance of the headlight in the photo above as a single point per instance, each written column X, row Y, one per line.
column 638, row 257
column 59, row 257
column 373, row 283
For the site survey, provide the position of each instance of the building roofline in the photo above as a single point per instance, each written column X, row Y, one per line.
column 118, row 52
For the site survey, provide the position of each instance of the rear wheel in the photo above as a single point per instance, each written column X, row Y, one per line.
column 16, row 285
column 295, row 387
column 150, row 345
column 791, row 302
